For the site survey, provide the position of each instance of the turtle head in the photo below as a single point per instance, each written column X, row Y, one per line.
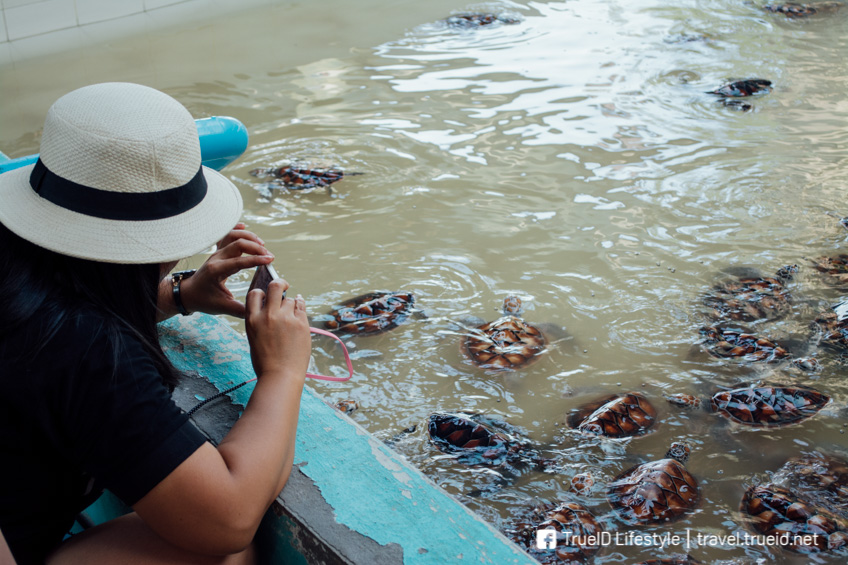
column 512, row 306
column 678, row 451
column 787, row 272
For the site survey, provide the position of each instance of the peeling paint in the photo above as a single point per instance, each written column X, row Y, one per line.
column 402, row 477
column 223, row 357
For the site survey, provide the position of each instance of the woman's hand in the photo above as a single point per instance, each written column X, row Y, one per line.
column 205, row 291
column 232, row 486
column 278, row 331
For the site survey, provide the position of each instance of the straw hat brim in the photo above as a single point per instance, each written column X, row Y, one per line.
column 61, row 230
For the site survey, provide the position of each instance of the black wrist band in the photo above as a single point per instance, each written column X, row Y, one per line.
column 176, row 281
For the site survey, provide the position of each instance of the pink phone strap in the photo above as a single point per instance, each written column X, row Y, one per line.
column 346, row 356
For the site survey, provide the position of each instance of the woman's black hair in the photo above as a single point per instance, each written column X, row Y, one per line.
column 59, row 289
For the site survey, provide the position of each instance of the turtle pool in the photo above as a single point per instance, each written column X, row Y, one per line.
column 573, row 159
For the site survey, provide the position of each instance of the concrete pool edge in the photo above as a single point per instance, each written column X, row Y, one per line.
column 350, row 498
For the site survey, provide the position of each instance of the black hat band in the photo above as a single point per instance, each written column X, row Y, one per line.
column 126, row 206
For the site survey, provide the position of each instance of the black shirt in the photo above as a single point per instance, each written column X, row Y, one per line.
column 74, row 419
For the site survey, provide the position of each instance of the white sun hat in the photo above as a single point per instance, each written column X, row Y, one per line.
column 119, row 180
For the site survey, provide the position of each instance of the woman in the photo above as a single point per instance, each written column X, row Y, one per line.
column 88, row 237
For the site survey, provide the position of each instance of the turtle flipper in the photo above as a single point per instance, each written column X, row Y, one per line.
column 263, row 172
column 470, row 322
column 554, row 332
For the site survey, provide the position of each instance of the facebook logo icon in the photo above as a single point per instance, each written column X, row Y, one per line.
column 546, row 539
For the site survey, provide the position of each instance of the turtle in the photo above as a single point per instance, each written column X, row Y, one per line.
column 347, row 406
column 736, row 104
column 298, row 178
column 795, row 523
column 834, row 332
column 582, row 483
column 793, row 10
column 688, row 38
column 475, row 440
column 736, row 343
column 763, row 406
column 807, row 364
column 749, row 297
column 655, row 492
column 474, row 20
column 576, row 532
column 819, row 471
column 743, row 88
column 369, row 314
column 835, row 268
column 821, row 479
column 508, row 342
column 616, row 416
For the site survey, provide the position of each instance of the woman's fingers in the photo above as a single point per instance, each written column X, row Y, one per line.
column 275, row 292
column 299, row 305
column 237, row 232
column 228, row 267
column 258, row 299
column 253, row 302
column 235, row 235
column 239, row 255
column 241, row 247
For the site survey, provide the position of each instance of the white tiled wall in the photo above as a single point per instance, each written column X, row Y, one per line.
column 26, row 19
column 153, row 4
column 16, row 3
column 20, row 19
column 90, row 11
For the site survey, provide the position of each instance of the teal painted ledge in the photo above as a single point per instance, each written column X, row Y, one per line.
column 350, row 498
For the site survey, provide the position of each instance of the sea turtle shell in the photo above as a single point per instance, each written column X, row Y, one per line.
column 743, row 88
column 768, row 406
column 348, row 405
column 299, row 178
column 617, row 415
column 820, row 479
column 479, row 20
column 576, row 533
column 820, row 471
column 473, row 442
column 835, row 269
column 793, row 10
column 798, row 525
column 506, row 343
column 764, row 406
column 371, row 313
column 750, row 298
column 655, row 492
column 736, row 343
column 834, row 333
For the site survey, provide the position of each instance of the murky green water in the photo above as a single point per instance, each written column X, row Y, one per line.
column 573, row 159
